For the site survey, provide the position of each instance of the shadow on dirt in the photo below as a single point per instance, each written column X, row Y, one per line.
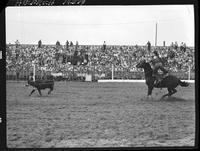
column 167, row 99
column 174, row 99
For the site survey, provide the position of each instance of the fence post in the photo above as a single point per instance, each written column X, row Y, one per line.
column 189, row 72
column 34, row 71
column 112, row 71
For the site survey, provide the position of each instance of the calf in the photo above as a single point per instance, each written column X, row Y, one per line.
column 40, row 85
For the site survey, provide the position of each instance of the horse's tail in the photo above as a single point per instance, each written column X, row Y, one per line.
column 183, row 83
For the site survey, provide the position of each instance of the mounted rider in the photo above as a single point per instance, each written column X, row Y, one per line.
column 157, row 64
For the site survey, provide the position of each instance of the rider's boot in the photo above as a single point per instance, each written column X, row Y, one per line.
column 157, row 80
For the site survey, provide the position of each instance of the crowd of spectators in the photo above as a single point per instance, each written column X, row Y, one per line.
column 101, row 58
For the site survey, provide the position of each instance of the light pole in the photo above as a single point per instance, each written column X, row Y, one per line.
column 156, row 35
column 189, row 72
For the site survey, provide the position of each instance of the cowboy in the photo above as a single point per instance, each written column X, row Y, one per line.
column 157, row 64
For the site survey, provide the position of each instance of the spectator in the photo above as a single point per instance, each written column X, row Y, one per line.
column 39, row 44
column 57, row 44
column 163, row 43
column 149, row 46
column 104, row 45
column 172, row 45
column 182, row 46
column 71, row 43
column 17, row 43
column 176, row 46
column 124, row 58
column 67, row 45
column 171, row 54
column 76, row 47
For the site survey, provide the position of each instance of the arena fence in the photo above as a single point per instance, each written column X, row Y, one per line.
column 132, row 77
column 119, row 80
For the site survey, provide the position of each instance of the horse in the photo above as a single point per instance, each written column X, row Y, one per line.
column 170, row 82
column 41, row 85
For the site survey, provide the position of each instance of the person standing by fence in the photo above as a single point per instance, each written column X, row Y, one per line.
column 39, row 44
column 104, row 45
column 149, row 46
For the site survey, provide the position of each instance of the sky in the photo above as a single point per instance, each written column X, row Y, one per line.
column 92, row 25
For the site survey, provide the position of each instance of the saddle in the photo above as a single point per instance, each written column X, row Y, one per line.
column 159, row 78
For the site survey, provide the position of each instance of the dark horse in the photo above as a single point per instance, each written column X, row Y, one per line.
column 40, row 85
column 170, row 82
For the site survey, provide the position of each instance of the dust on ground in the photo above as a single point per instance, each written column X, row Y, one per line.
column 84, row 114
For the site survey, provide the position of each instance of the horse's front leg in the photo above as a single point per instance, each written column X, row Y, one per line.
column 39, row 92
column 51, row 89
column 150, row 88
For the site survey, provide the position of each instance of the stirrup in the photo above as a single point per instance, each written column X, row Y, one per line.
column 156, row 82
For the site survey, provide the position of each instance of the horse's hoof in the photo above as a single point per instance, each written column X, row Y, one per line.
column 149, row 97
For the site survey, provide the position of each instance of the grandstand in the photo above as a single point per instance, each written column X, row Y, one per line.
column 114, row 62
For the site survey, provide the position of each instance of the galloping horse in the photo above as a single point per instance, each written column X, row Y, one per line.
column 40, row 85
column 170, row 82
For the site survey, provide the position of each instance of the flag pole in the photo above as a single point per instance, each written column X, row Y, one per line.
column 112, row 71
column 189, row 72
column 156, row 35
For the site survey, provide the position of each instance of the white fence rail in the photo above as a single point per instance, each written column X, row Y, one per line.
column 119, row 80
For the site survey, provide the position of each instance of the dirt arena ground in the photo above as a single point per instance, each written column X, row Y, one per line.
column 84, row 114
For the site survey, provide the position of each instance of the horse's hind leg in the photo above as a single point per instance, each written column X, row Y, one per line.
column 51, row 89
column 173, row 91
column 168, row 94
column 39, row 92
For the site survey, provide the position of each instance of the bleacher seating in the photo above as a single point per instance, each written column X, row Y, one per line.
column 124, row 58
